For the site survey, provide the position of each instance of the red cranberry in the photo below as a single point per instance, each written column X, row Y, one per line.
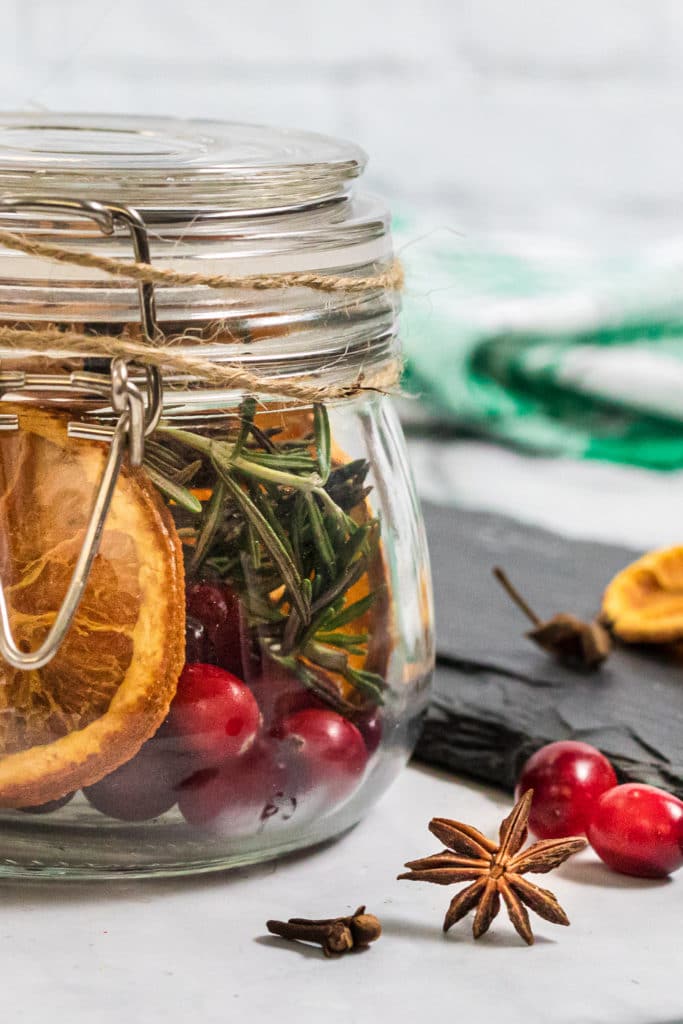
column 370, row 726
column 241, row 798
column 217, row 608
column 139, row 790
column 638, row 830
column 50, row 806
column 215, row 713
column 280, row 693
column 567, row 778
column 329, row 755
column 171, row 751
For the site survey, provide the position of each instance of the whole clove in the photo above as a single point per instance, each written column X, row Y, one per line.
column 336, row 935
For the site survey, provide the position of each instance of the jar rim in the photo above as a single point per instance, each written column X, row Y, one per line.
column 162, row 162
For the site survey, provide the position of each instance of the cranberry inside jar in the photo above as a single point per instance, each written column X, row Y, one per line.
column 239, row 677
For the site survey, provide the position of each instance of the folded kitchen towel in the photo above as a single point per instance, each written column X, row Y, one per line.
column 555, row 348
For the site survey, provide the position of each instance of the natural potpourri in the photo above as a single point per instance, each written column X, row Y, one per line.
column 495, row 871
column 284, row 619
column 573, row 641
column 108, row 689
column 213, row 309
column 567, row 778
column 634, row 828
column 336, row 935
column 644, row 602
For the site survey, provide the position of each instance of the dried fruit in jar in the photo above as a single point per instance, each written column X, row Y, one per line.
column 109, row 687
column 644, row 602
column 284, row 522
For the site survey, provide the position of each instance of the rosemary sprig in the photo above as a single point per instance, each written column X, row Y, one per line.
column 176, row 492
column 213, row 516
column 270, row 540
column 323, row 441
column 278, row 527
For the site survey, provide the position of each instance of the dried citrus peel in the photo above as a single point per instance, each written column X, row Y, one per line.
column 110, row 685
column 377, row 622
column 644, row 602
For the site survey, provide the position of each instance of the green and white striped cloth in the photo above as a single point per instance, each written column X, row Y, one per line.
column 554, row 348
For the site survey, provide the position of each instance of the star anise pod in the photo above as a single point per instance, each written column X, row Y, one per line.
column 574, row 641
column 497, row 870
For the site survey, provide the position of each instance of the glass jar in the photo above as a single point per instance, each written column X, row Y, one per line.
column 251, row 644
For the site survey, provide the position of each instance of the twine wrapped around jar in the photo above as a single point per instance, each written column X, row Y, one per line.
column 160, row 352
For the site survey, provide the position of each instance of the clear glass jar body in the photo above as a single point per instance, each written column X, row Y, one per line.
column 272, row 556
column 249, row 659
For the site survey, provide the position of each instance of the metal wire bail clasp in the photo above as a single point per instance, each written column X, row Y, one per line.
column 138, row 416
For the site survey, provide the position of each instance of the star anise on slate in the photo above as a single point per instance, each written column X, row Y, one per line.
column 575, row 642
column 496, row 870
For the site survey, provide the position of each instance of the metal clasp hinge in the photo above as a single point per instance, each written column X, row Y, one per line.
column 138, row 417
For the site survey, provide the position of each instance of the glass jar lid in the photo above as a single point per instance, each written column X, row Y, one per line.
column 216, row 199
column 168, row 162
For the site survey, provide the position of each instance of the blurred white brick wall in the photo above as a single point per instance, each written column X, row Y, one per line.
column 532, row 113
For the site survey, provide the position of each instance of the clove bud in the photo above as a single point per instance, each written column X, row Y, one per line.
column 336, row 935
column 573, row 641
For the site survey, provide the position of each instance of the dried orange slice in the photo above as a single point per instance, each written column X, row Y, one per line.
column 110, row 685
column 644, row 602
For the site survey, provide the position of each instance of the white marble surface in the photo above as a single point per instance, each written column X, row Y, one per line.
column 624, row 505
column 195, row 950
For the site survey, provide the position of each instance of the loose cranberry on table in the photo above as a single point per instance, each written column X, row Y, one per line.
column 243, row 796
column 638, row 830
column 217, row 608
column 214, row 713
column 329, row 755
column 568, row 778
column 141, row 789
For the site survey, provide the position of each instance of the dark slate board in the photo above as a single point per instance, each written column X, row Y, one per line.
column 497, row 698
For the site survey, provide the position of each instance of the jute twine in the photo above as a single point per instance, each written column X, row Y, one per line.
column 162, row 351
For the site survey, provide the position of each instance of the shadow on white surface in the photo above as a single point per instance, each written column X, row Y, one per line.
column 304, row 949
column 594, row 872
column 497, row 937
column 28, row 893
